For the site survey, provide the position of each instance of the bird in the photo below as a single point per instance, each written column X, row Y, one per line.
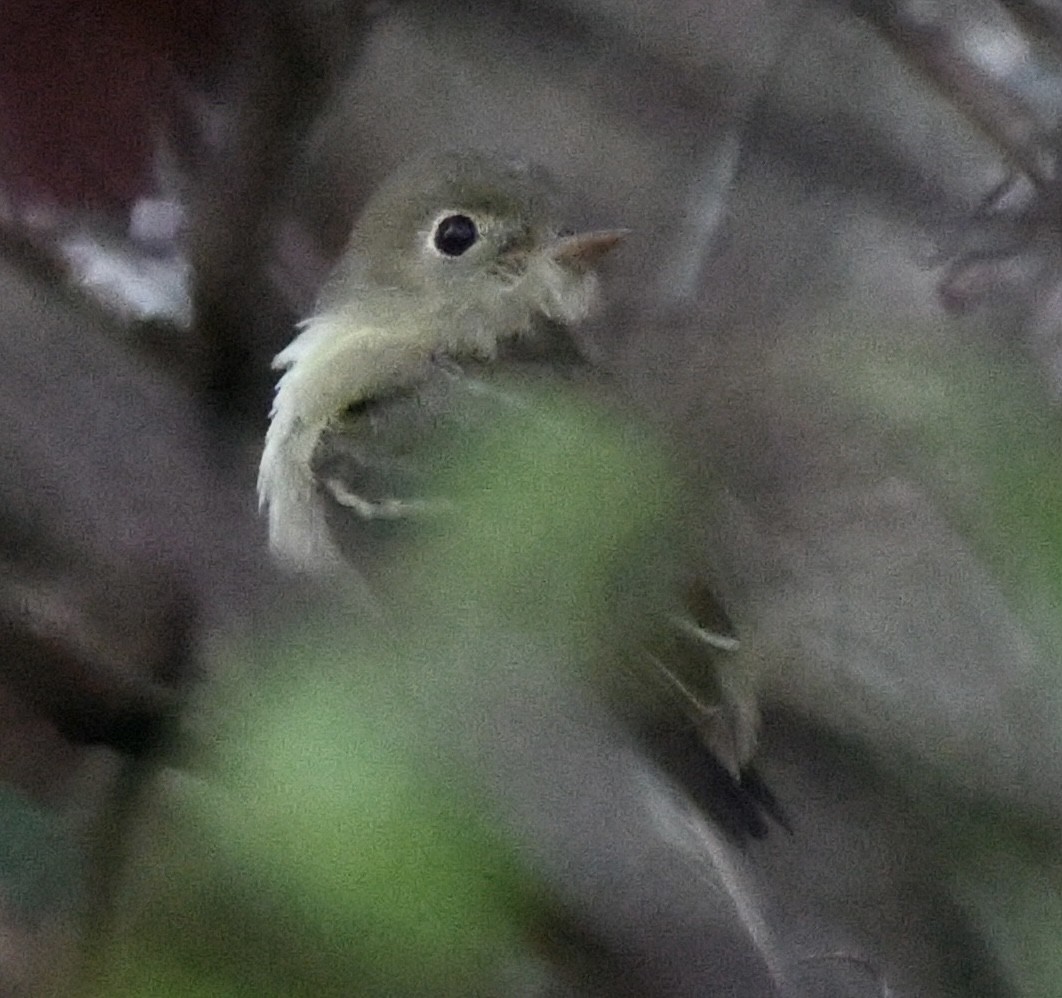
column 461, row 275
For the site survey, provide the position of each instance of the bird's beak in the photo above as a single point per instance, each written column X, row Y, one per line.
column 584, row 249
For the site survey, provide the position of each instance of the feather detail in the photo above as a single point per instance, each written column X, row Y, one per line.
column 335, row 361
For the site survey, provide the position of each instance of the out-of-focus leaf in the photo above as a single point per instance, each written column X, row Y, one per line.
column 557, row 502
column 976, row 430
column 337, row 850
column 1015, row 900
column 38, row 865
column 971, row 428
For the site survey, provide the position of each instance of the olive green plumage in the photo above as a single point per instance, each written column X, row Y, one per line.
column 459, row 289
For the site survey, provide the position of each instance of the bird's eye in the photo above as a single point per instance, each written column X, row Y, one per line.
column 454, row 234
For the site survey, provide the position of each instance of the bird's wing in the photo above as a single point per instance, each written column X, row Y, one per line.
column 377, row 466
column 693, row 660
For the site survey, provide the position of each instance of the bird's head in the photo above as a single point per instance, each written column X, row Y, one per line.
column 466, row 239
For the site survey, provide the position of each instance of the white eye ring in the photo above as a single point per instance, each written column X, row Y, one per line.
column 453, row 233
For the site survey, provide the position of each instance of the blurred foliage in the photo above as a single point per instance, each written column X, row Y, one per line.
column 1011, row 884
column 556, row 502
column 334, row 849
column 328, row 856
column 972, row 425
column 39, row 866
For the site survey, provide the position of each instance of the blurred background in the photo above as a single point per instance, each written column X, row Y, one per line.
column 841, row 298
